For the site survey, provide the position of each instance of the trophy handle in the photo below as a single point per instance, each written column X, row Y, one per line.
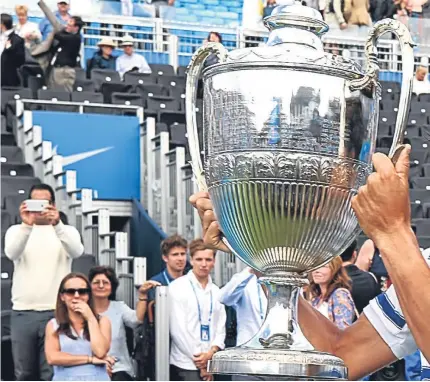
column 406, row 47
column 193, row 74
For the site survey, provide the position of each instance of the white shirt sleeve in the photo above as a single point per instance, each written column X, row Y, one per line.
column 144, row 67
column 128, row 315
column 386, row 316
column 219, row 335
column 231, row 293
column 16, row 239
column 70, row 238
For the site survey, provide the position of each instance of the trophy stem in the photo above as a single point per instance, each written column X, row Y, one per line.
column 280, row 329
column 279, row 350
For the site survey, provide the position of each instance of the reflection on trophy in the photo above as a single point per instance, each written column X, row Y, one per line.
column 289, row 132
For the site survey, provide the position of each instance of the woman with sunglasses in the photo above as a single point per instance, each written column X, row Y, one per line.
column 77, row 340
column 104, row 284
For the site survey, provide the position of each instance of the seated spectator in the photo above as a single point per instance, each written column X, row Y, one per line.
column 62, row 15
column 329, row 293
column 212, row 59
column 77, row 340
column 270, row 6
column 104, row 284
column 42, row 249
column 26, row 29
column 103, row 58
column 131, row 61
column 12, row 52
column 421, row 84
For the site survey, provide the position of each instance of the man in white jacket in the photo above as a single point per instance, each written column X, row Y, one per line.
column 42, row 249
column 197, row 318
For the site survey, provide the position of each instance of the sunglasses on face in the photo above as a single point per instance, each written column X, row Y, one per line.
column 72, row 291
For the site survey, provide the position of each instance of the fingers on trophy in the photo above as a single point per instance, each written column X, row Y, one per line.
column 289, row 136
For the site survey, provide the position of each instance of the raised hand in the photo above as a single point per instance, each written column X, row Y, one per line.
column 212, row 234
column 382, row 205
column 146, row 286
column 83, row 309
column 51, row 214
column 26, row 216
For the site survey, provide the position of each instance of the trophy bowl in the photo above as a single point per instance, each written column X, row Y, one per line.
column 289, row 132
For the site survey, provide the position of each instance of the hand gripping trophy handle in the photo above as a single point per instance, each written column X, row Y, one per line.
column 193, row 74
column 371, row 76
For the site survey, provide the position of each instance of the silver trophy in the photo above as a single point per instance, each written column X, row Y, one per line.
column 289, row 132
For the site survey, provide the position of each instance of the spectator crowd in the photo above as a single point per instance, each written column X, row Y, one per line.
column 70, row 326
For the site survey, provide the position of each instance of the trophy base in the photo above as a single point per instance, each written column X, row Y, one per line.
column 278, row 364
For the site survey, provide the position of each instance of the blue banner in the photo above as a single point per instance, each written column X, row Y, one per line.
column 103, row 149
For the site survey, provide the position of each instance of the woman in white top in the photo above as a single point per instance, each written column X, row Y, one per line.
column 104, row 284
column 28, row 30
column 329, row 293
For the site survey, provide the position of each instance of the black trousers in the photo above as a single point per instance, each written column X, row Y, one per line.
column 121, row 376
column 178, row 374
column 28, row 345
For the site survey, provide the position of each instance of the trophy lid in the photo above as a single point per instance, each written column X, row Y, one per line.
column 298, row 16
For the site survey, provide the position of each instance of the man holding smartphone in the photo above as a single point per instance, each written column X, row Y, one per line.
column 42, row 249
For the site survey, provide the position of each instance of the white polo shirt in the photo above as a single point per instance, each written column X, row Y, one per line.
column 386, row 316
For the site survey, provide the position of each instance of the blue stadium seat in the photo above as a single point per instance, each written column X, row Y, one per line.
column 212, row 21
column 204, row 13
column 195, row 6
column 220, row 8
column 211, row 2
column 228, row 15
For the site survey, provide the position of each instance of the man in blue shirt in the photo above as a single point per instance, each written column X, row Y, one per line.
column 62, row 16
column 174, row 254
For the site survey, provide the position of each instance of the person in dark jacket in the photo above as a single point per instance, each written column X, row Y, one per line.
column 364, row 284
column 12, row 49
column 103, row 58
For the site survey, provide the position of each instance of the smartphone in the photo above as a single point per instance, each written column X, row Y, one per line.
column 35, row 205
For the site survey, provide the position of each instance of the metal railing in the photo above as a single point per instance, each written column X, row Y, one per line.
column 168, row 183
column 108, row 248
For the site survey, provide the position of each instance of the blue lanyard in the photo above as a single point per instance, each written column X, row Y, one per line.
column 259, row 299
column 166, row 278
column 198, row 305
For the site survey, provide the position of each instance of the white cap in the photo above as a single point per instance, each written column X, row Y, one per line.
column 106, row 41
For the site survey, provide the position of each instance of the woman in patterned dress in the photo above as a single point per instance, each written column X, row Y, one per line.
column 329, row 293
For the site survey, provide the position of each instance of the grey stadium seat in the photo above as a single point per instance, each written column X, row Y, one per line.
column 421, row 183
column 12, row 186
column 11, row 154
column 162, row 69
column 16, row 169
column 6, row 268
column 6, row 294
column 83, row 264
column 102, row 75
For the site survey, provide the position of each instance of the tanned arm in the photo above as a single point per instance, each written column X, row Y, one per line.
column 383, row 210
column 359, row 346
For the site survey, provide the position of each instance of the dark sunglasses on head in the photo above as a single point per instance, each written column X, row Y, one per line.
column 72, row 291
